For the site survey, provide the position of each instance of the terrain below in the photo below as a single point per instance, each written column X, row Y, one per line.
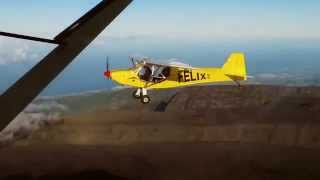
column 225, row 132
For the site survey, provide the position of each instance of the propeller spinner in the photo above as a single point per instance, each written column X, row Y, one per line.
column 107, row 73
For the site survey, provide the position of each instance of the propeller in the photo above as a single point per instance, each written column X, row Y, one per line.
column 107, row 73
column 110, row 84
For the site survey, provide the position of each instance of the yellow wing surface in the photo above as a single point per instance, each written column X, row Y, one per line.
column 233, row 70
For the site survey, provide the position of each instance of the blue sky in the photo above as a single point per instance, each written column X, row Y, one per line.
column 205, row 19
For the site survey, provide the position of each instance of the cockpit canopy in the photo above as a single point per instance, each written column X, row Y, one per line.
column 153, row 73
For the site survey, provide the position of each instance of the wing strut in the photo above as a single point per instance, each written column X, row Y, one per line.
column 71, row 42
column 31, row 38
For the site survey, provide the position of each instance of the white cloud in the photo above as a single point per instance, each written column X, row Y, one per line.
column 50, row 106
column 33, row 118
column 267, row 76
column 270, row 76
column 19, row 51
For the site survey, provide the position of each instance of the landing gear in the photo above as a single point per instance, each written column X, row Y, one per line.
column 142, row 94
column 137, row 94
column 145, row 99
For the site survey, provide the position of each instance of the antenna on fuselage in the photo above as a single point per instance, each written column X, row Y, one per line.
column 133, row 61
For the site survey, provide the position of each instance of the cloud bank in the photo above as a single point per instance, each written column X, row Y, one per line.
column 19, row 51
column 33, row 118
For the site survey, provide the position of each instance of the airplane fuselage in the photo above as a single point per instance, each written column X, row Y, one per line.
column 177, row 78
column 146, row 76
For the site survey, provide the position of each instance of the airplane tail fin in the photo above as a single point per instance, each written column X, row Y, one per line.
column 235, row 67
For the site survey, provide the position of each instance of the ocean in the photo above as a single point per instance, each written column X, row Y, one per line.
column 279, row 61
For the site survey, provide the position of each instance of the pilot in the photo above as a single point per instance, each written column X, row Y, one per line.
column 145, row 73
column 154, row 73
column 160, row 74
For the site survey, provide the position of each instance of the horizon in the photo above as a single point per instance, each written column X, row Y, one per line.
column 276, row 38
column 210, row 19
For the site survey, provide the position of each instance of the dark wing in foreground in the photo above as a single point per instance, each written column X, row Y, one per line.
column 71, row 42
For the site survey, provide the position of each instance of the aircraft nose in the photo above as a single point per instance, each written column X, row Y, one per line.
column 108, row 74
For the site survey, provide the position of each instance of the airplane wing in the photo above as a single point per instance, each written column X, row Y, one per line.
column 71, row 42
column 174, row 64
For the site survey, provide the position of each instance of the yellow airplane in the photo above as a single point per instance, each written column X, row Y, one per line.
column 145, row 75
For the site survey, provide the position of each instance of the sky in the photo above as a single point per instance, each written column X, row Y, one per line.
column 165, row 21
column 203, row 19
column 276, row 35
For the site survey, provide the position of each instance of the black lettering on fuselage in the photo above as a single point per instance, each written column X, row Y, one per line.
column 192, row 78
column 187, row 76
column 180, row 76
column 203, row 76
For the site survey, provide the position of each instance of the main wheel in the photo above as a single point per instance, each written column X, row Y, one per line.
column 135, row 95
column 145, row 99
